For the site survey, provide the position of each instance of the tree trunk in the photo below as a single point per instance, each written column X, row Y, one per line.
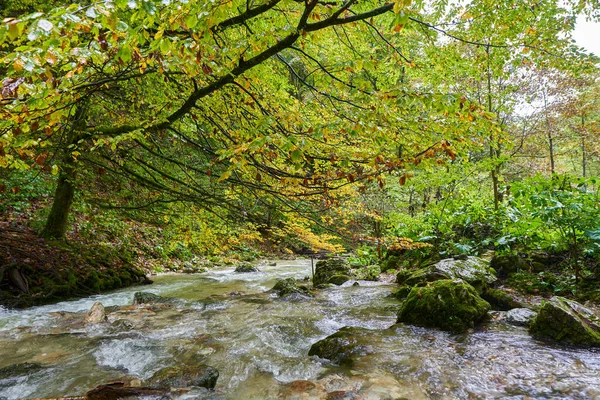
column 57, row 222
column 58, row 219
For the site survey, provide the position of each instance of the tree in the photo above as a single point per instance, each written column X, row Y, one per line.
column 200, row 101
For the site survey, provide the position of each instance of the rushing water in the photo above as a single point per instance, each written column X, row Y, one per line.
column 259, row 343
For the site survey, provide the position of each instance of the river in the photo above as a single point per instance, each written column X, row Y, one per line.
column 259, row 343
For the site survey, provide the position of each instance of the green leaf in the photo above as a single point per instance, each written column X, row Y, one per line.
column 296, row 156
column 191, row 21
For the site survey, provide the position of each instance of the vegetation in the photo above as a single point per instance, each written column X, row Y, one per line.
column 170, row 132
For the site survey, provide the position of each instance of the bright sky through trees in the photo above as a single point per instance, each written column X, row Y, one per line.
column 587, row 34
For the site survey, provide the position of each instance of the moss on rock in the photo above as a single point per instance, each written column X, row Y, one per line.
column 334, row 270
column 567, row 321
column 185, row 376
column 451, row 305
column 343, row 346
column 500, row 300
column 286, row 287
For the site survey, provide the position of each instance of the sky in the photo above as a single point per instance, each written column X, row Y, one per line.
column 587, row 34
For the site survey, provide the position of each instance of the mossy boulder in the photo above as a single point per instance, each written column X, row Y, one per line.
column 451, row 305
column 343, row 346
column 333, row 270
column 473, row 270
column 500, row 300
column 289, row 286
column 185, row 376
column 246, row 267
column 507, row 264
column 567, row 321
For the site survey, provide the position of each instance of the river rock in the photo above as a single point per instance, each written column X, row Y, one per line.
column 289, row 286
column 520, row 316
column 119, row 390
column 567, row 321
column 334, row 270
column 343, row 346
column 185, row 376
column 246, row 267
column 96, row 315
column 507, row 264
column 473, row 270
column 148, row 298
column 500, row 300
column 451, row 305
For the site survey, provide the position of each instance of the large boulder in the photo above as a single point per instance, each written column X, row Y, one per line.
column 567, row 321
column 473, row 270
column 451, row 305
column 185, row 376
column 343, row 346
column 334, row 270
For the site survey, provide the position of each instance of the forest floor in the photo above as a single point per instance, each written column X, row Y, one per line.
column 36, row 271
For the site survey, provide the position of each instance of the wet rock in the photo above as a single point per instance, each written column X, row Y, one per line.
column 356, row 284
column 334, row 270
column 501, row 300
column 119, row 390
column 185, row 376
column 520, row 316
column 122, row 324
column 343, row 395
column 451, row 305
column 473, row 270
column 96, row 315
column 507, row 264
column 246, row 267
column 343, row 346
column 19, row 369
column 272, row 264
column 289, row 286
column 402, row 292
column 567, row 321
column 149, row 298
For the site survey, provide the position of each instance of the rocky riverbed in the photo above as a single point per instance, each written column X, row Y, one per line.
column 259, row 340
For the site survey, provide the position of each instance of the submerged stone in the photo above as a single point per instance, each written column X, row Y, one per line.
column 567, row 321
column 520, row 316
column 335, row 271
column 19, row 369
column 343, row 346
column 451, row 305
column 185, row 376
column 148, row 298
